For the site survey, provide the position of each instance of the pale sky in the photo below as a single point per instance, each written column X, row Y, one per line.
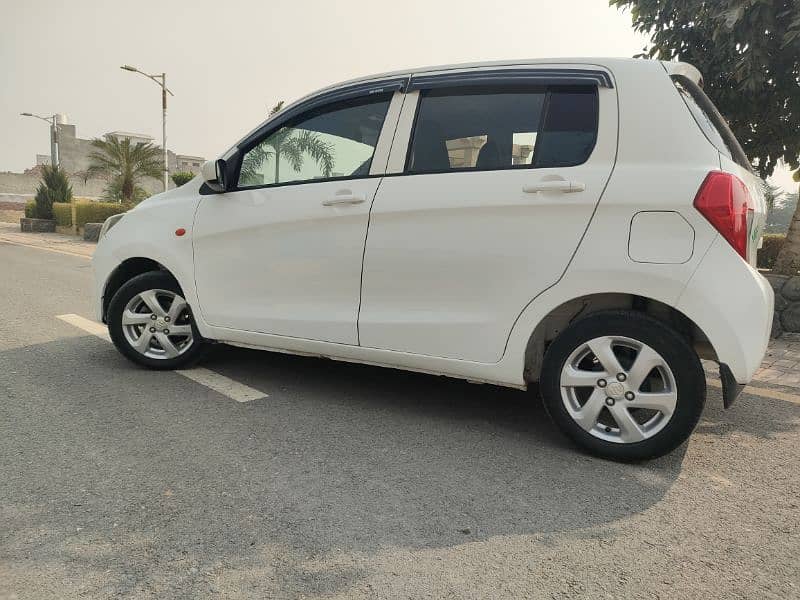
column 228, row 62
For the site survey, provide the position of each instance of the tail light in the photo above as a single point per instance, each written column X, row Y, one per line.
column 723, row 199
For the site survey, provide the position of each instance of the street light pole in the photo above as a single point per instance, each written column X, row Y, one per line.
column 164, row 128
column 51, row 120
column 164, row 91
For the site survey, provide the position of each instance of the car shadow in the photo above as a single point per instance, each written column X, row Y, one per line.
column 752, row 414
column 157, row 475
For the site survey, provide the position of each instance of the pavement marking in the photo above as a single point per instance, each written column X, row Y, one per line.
column 45, row 248
column 224, row 385
column 759, row 391
column 93, row 327
column 210, row 379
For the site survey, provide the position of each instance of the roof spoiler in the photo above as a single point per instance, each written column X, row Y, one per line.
column 685, row 69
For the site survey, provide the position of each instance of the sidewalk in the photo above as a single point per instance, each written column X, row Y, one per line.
column 781, row 365
column 57, row 242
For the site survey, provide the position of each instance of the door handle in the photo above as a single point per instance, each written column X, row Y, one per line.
column 344, row 199
column 558, row 185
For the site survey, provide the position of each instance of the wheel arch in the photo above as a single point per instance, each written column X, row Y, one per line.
column 127, row 270
column 560, row 317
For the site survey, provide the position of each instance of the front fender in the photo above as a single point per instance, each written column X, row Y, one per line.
column 149, row 231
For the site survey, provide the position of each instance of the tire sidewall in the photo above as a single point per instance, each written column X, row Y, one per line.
column 138, row 284
column 676, row 351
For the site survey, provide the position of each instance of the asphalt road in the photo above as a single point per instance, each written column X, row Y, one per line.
column 354, row 482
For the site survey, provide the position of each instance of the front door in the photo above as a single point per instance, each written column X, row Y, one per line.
column 282, row 253
column 499, row 186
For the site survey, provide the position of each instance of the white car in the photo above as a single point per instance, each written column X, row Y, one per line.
column 587, row 224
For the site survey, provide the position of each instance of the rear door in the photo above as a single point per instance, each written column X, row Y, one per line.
column 501, row 177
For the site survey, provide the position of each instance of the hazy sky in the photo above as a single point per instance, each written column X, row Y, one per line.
column 228, row 61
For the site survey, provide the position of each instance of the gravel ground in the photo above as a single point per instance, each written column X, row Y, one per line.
column 354, row 482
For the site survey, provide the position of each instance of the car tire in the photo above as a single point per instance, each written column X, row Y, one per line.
column 623, row 415
column 151, row 323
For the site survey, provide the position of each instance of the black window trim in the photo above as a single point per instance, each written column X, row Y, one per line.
column 336, row 95
column 515, row 76
column 542, row 119
column 318, row 102
column 717, row 120
column 536, row 77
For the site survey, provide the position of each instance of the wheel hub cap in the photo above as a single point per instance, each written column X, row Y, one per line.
column 615, row 389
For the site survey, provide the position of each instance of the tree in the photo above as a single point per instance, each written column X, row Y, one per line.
column 292, row 145
column 124, row 165
column 749, row 54
column 182, row 177
column 54, row 187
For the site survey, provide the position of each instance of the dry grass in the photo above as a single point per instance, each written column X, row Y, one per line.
column 10, row 216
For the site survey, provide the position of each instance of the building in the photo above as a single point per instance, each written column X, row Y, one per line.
column 73, row 152
column 189, row 163
column 135, row 138
column 74, row 159
column 463, row 152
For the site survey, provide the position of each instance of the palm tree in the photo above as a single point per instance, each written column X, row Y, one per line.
column 124, row 165
column 290, row 144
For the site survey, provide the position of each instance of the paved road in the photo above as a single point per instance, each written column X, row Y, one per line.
column 354, row 482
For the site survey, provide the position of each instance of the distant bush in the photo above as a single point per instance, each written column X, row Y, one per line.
column 96, row 212
column 30, row 209
column 768, row 252
column 182, row 177
column 54, row 187
column 62, row 213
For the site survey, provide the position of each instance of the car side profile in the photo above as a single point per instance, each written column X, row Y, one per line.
column 587, row 224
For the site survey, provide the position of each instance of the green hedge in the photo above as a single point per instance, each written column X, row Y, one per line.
column 773, row 242
column 62, row 213
column 96, row 212
column 30, row 209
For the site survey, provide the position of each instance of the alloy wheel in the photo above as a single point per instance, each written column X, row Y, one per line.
column 158, row 324
column 618, row 389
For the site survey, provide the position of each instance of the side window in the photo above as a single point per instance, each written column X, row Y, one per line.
column 334, row 141
column 569, row 131
column 502, row 128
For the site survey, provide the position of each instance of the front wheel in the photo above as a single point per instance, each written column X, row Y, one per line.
column 623, row 385
column 151, row 323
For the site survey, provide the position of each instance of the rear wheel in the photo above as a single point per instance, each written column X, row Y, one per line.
column 623, row 385
column 151, row 323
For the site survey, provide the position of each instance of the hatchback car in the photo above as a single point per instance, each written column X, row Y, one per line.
column 590, row 225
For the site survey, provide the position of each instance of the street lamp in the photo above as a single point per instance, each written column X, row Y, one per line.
column 51, row 120
column 161, row 80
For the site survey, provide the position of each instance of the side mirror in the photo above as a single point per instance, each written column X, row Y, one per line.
column 213, row 172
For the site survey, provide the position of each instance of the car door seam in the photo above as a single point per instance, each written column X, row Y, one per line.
column 363, row 258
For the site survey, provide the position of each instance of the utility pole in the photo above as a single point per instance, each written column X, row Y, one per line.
column 161, row 80
column 53, row 122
